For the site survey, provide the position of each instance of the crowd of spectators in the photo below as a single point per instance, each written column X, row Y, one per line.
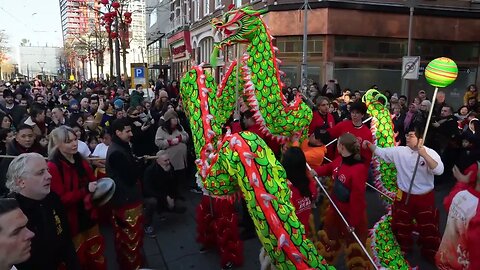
column 45, row 118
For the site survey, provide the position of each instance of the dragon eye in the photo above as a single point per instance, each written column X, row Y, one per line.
column 227, row 17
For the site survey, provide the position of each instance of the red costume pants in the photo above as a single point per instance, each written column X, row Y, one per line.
column 420, row 208
column 217, row 227
column 128, row 229
column 90, row 246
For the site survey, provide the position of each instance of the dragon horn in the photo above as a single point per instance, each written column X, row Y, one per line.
column 214, row 55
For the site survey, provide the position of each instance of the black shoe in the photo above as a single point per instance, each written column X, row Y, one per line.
column 247, row 234
column 196, row 190
column 203, row 250
column 228, row 266
column 178, row 210
column 150, row 231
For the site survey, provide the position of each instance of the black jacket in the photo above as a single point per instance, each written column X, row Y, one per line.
column 124, row 169
column 51, row 245
column 159, row 183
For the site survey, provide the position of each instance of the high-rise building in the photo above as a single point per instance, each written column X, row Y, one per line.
column 360, row 43
column 137, row 32
column 78, row 17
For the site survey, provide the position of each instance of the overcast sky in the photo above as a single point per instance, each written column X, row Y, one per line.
column 35, row 20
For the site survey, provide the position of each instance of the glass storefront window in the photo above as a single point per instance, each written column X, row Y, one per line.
column 370, row 47
column 292, row 46
column 460, row 51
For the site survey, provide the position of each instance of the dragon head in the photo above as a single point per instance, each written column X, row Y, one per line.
column 237, row 26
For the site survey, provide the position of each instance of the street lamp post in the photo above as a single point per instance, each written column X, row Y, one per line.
column 411, row 4
column 42, row 66
column 305, row 47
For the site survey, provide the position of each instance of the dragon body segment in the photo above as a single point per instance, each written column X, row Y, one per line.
column 384, row 246
column 232, row 163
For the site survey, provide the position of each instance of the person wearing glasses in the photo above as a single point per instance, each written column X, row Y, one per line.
column 421, row 198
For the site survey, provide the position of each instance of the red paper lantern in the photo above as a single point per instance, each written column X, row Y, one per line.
column 115, row 5
column 128, row 14
column 113, row 35
column 104, row 2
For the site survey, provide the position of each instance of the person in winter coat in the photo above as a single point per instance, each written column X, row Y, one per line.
column 52, row 247
column 160, row 190
column 127, row 207
column 136, row 98
column 74, row 181
column 349, row 173
column 172, row 137
column 472, row 91
column 24, row 142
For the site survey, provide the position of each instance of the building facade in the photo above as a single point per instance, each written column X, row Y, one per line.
column 157, row 21
column 360, row 43
column 78, row 18
column 35, row 61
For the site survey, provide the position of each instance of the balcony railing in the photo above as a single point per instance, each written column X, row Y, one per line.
column 178, row 22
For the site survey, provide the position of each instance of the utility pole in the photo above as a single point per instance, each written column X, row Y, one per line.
column 411, row 4
column 42, row 65
column 305, row 37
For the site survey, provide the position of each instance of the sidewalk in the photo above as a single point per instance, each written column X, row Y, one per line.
column 175, row 247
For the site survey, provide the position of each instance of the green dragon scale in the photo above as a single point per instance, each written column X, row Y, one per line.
column 384, row 246
column 243, row 162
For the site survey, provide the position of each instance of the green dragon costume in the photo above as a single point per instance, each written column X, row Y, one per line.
column 243, row 162
column 384, row 246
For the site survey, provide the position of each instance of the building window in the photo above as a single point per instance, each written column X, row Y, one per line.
column 206, row 7
column 238, row 3
column 196, row 10
column 205, row 48
column 292, row 46
column 460, row 51
column 218, row 4
column 365, row 47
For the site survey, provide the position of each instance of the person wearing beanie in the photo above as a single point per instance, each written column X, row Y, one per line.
column 163, row 94
column 118, row 104
column 170, row 114
column 73, row 106
column 172, row 138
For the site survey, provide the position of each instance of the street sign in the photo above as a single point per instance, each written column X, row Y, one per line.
column 410, row 67
column 139, row 74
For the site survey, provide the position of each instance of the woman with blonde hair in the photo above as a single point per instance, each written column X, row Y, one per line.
column 74, row 182
column 349, row 174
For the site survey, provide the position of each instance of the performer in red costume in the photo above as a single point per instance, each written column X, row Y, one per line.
column 350, row 175
column 302, row 185
column 459, row 247
column 217, row 227
column 73, row 180
column 127, row 206
column 323, row 119
column 355, row 127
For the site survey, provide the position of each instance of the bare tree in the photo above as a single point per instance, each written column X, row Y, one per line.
column 24, row 42
column 3, row 49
